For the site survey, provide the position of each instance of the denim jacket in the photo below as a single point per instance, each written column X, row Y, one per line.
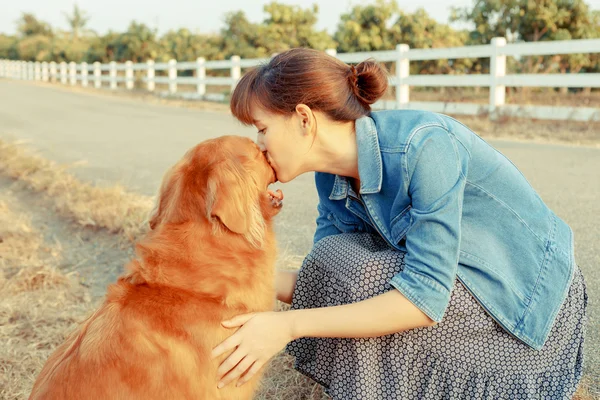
column 458, row 208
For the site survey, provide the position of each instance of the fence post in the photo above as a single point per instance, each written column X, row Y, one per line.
column 128, row 75
column 45, row 72
column 402, row 73
column 497, row 71
column 150, row 84
column 37, row 74
column 73, row 73
column 63, row 72
column 30, row 71
column 172, row 76
column 52, row 74
column 97, row 75
column 113, row 75
column 2, row 68
column 236, row 71
column 200, row 76
column 84, row 74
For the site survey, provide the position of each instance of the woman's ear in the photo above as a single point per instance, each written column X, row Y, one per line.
column 306, row 117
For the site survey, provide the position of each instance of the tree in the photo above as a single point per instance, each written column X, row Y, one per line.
column 365, row 28
column 240, row 37
column 284, row 27
column 137, row 44
column 381, row 26
column 34, row 48
column 8, row 48
column 420, row 31
column 183, row 45
column 101, row 48
column 532, row 21
column 29, row 25
column 291, row 26
column 77, row 21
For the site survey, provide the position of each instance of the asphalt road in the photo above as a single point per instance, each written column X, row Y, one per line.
column 132, row 142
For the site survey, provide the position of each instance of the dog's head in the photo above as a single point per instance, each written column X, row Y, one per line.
column 222, row 182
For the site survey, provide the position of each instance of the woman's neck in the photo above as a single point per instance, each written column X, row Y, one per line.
column 335, row 150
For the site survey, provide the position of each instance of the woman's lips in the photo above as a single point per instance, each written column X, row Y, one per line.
column 271, row 165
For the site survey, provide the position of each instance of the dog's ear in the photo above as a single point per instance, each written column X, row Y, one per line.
column 232, row 197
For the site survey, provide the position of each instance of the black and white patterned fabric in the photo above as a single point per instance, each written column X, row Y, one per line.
column 466, row 356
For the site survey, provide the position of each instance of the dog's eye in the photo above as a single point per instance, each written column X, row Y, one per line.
column 262, row 131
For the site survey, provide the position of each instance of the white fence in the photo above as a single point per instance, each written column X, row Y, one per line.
column 97, row 74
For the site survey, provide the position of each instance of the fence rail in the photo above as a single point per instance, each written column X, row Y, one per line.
column 497, row 80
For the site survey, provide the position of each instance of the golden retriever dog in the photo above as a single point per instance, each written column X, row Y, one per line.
column 209, row 256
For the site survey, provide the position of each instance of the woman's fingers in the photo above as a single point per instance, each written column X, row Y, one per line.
column 251, row 372
column 230, row 362
column 235, row 373
column 238, row 320
column 228, row 344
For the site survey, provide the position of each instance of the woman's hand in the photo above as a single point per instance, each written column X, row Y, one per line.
column 260, row 337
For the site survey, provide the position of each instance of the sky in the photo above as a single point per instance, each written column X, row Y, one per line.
column 202, row 16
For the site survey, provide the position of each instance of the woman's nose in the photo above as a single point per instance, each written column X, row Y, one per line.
column 260, row 142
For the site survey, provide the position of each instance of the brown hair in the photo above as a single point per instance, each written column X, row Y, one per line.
column 311, row 77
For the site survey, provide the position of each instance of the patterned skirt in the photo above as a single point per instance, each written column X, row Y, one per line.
column 466, row 356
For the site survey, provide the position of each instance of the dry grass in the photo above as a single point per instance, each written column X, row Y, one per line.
column 584, row 392
column 112, row 208
column 40, row 304
column 282, row 381
column 531, row 96
column 563, row 132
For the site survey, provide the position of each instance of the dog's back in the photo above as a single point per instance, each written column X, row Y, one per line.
column 143, row 343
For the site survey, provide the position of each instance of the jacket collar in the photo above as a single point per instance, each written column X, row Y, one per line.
column 370, row 168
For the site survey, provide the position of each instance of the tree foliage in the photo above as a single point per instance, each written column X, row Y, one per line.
column 370, row 27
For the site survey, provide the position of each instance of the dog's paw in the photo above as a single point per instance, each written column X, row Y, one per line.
column 276, row 198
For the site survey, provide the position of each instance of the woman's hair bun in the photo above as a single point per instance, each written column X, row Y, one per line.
column 369, row 80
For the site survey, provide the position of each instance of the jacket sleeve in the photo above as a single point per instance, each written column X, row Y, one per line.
column 435, row 169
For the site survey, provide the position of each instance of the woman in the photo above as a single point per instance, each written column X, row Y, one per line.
column 437, row 271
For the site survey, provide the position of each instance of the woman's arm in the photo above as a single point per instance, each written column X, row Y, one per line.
column 285, row 282
column 262, row 335
column 381, row 315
